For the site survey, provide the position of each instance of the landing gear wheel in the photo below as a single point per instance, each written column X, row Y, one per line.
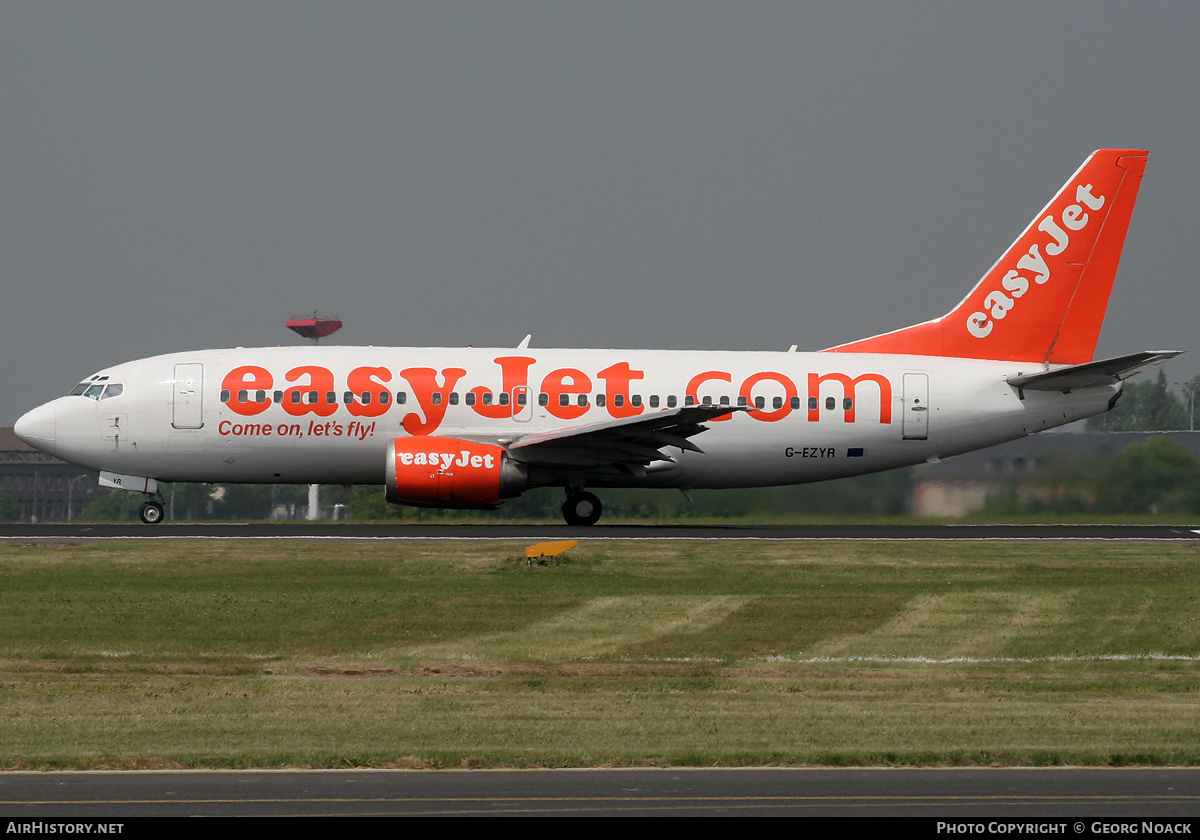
column 152, row 513
column 582, row 508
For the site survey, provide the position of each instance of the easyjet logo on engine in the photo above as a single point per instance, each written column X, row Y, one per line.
column 446, row 460
column 565, row 393
column 1033, row 268
column 442, row 471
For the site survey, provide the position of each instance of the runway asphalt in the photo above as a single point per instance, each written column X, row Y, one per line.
column 1077, row 794
column 348, row 531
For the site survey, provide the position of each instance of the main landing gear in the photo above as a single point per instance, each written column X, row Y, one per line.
column 152, row 512
column 581, row 508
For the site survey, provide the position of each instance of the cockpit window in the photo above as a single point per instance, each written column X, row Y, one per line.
column 93, row 388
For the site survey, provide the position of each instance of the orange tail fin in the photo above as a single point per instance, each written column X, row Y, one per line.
column 1045, row 299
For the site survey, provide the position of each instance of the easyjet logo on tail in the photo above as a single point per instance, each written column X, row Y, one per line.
column 1045, row 298
column 1033, row 265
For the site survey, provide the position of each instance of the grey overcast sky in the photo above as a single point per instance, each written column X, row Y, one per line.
column 740, row 175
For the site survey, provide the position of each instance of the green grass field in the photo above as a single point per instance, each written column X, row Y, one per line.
column 336, row 654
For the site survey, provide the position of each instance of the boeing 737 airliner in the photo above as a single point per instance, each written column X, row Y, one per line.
column 468, row 427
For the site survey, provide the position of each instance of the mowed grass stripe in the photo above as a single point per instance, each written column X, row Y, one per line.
column 958, row 624
column 599, row 627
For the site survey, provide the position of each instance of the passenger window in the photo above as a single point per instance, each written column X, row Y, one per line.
column 487, row 397
column 830, row 403
column 331, row 397
column 260, row 396
column 795, row 403
column 401, row 397
column 707, row 401
column 777, row 403
column 636, row 399
column 295, row 397
column 225, row 395
column 365, row 397
column 348, row 398
column 760, row 402
column 618, row 400
column 689, row 400
column 242, row 396
column 847, row 403
column 671, row 401
column 601, row 400
column 313, row 397
column 582, row 400
column 454, row 398
column 522, row 399
column 812, row 403
column 504, row 398
column 564, row 400
column 543, row 399
column 437, row 397
column 385, row 397
column 470, row 398
column 278, row 395
column 654, row 400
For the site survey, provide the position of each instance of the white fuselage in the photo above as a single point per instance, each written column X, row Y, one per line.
column 297, row 415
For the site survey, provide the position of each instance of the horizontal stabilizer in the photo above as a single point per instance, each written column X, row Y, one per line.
column 1092, row 374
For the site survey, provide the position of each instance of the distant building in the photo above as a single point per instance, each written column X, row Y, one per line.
column 963, row 484
column 47, row 488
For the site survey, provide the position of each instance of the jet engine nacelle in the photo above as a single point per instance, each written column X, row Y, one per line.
column 430, row 471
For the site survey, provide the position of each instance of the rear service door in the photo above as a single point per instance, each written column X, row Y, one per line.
column 915, row 422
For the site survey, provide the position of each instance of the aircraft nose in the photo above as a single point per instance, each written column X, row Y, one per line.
column 38, row 428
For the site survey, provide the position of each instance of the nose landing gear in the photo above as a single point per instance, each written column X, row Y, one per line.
column 581, row 508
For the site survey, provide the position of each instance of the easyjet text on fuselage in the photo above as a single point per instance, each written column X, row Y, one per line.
column 567, row 392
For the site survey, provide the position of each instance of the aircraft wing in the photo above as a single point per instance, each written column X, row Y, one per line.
column 631, row 443
column 1092, row 374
